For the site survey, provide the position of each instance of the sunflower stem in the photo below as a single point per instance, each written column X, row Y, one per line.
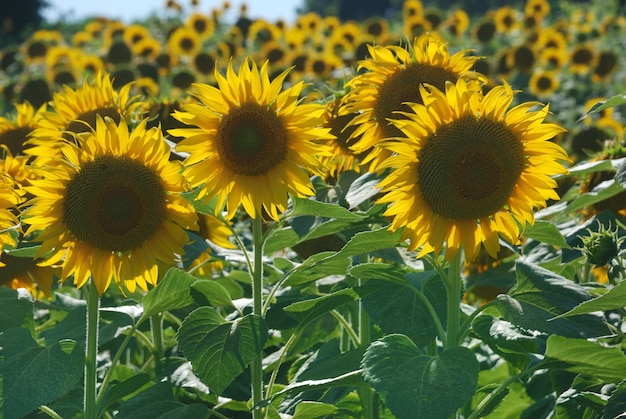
column 365, row 336
column 91, row 352
column 156, row 324
column 256, row 367
column 453, row 288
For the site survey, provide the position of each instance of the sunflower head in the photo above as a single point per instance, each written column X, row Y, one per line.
column 74, row 114
column 110, row 208
column 393, row 77
column 471, row 170
column 10, row 197
column 253, row 143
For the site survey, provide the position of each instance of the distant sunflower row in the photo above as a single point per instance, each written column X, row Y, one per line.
column 105, row 190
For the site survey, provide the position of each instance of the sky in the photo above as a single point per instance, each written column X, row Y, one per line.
column 130, row 10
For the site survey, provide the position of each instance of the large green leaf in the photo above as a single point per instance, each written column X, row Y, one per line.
column 16, row 309
column 172, row 292
column 611, row 102
column 312, row 410
column 362, row 189
column 416, row 386
column 304, row 206
column 336, row 263
column 507, row 340
column 117, row 391
column 614, row 299
column 545, row 232
column 33, row 375
column 321, row 374
column 540, row 295
column 212, row 292
column 397, row 308
column 588, row 358
column 158, row 402
column 534, row 317
column 307, row 310
column 219, row 350
column 604, row 190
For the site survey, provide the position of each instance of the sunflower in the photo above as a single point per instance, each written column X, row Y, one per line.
column 201, row 24
column 393, row 78
column 74, row 112
column 457, row 23
column 606, row 64
column 471, row 169
column 14, row 131
column 25, row 272
column 506, row 19
column 543, row 83
column 342, row 157
column 10, row 198
column 184, row 42
column 582, row 59
column 111, row 209
column 213, row 230
column 253, row 144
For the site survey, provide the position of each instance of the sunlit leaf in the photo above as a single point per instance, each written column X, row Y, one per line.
column 545, row 232
column 212, row 293
column 307, row 310
column 599, row 106
column 304, row 206
column 33, row 375
column 416, row 386
column 172, row 292
column 309, row 410
column 219, row 350
column 16, row 309
column 588, row 358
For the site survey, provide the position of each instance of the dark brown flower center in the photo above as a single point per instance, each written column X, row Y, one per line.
column 469, row 168
column 114, row 203
column 402, row 87
column 252, row 139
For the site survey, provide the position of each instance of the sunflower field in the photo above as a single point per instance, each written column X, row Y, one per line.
column 420, row 214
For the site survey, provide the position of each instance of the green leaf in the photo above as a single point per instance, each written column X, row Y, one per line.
column 203, row 206
column 16, row 309
column 382, row 271
column 362, row 189
column 604, row 190
column 154, row 402
column 213, row 293
column 588, row 358
column 317, row 266
column 620, row 174
column 117, row 391
column 611, row 102
column 24, row 250
column 545, row 232
column 617, row 403
column 533, row 317
column 304, row 206
column 614, row 299
column 280, row 239
column 219, row 350
column 397, row 308
column 416, row 386
column 507, row 340
column 33, row 375
column 308, row 310
column 172, row 292
column 313, row 410
column 326, row 367
column 586, row 167
column 194, row 410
